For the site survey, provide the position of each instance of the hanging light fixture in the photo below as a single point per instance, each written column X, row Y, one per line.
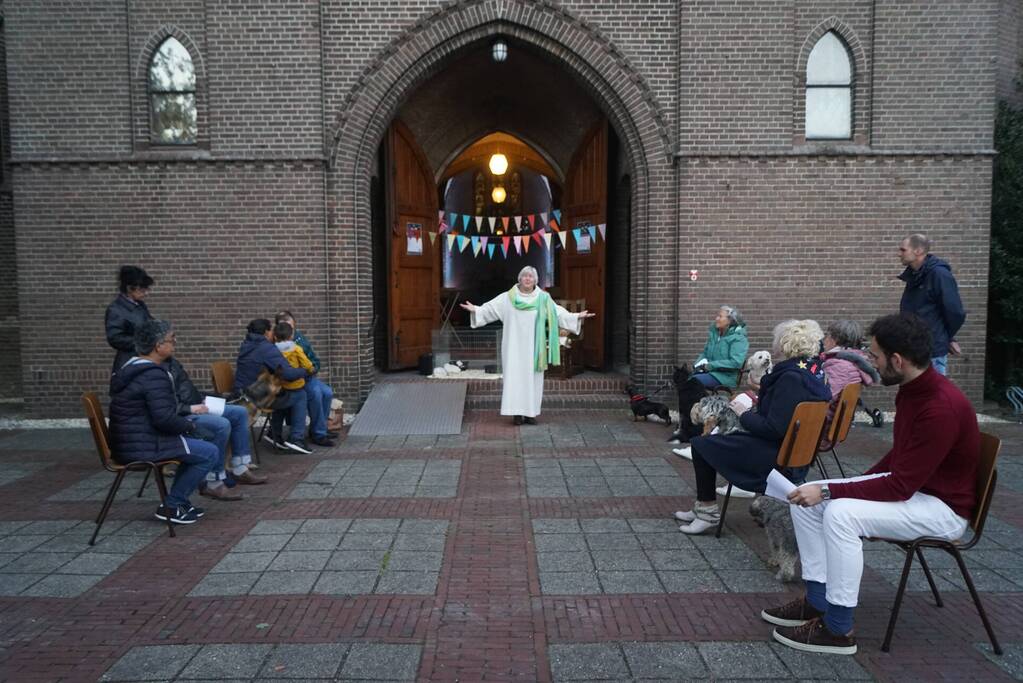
column 498, row 164
column 498, row 194
column 499, row 51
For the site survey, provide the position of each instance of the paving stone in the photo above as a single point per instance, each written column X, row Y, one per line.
column 366, row 542
column 604, row 525
column 285, row 583
column 36, row 563
column 393, row 491
column 14, row 584
column 381, row 662
column 587, row 661
column 739, row 581
column 300, row 542
column 261, row 543
column 62, row 585
column 985, row 580
column 624, row 487
column 669, row 486
column 151, row 663
column 670, row 540
column 353, row 560
column 51, row 527
column 820, row 667
column 304, row 661
column 677, row 560
column 629, row 582
column 569, row 583
column 1010, row 661
column 612, row 542
column 408, row 583
column 559, row 542
column 225, row 584
column 227, row 661
column 696, row 581
column 556, row 526
column 277, row 526
column 309, row 560
column 345, row 583
column 244, row 562
column 423, row 491
column 120, row 544
column 742, row 660
column 7, row 528
column 561, row 561
column 424, row 526
column 375, row 526
column 325, row 526
column 728, row 559
column 94, row 563
column 673, row 661
column 620, row 560
column 431, row 542
column 414, row 560
column 21, row 544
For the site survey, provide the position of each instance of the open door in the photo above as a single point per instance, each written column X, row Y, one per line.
column 414, row 282
column 582, row 264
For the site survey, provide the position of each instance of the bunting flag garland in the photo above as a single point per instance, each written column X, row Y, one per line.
column 500, row 232
column 433, row 237
column 451, row 241
column 475, row 245
column 442, row 227
column 563, row 236
column 547, row 240
column 504, row 222
column 532, row 221
column 490, row 250
column 483, row 241
column 538, row 236
column 577, row 233
column 462, row 243
column 593, row 233
column 479, row 222
column 518, row 223
column 518, row 244
column 465, row 222
column 440, row 216
column 602, row 228
column 452, row 218
column 525, row 244
column 491, row 219
column 557, row 215
column 543, row 218
column 505, row 241
column 554, row 226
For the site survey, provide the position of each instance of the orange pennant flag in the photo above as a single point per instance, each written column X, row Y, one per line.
column 504, row 222
column 525, row 244
column 532, row 221
column 554, row 225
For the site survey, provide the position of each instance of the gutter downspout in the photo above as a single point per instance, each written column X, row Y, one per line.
column 325, row 166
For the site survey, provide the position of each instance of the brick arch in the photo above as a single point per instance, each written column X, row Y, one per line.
column 410, row 59
column 471, row 139
column 156, row 39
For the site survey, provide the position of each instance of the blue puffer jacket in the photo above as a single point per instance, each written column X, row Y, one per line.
column 932, row 293
column 256, row 354
column 144, row 420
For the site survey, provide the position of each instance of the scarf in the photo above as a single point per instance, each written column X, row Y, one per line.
column 546, row 317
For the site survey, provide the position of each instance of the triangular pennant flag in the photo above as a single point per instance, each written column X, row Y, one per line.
column 563, row 236
column 532, row 220
column 538, row 235
column 475, row 244
column 504, row 222
column 465, row 222
column 440, row 216
column 577, row 233
column 547, row 239
column 518, row 244
column 452, row 218
column 490, row 219
column 433, row 237
column 557, row 215
column 554, row 225
column 518, row 223
column 505, row 241
column 543, row 218
column 479, row 222
column 593, row 233
column 602, row 227
column 451, row 241
column 525, row 244
column 483, row 241
column 490, row 250
column 462, row 243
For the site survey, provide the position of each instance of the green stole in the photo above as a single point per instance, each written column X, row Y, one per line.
column 546, row 317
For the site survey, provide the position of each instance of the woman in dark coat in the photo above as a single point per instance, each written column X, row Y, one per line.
column 127, row 312
column 746, row 458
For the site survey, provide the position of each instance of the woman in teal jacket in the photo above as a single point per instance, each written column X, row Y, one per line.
column 725, row 351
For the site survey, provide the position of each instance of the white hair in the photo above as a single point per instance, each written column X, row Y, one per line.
column 528, row 269
column 797, row 338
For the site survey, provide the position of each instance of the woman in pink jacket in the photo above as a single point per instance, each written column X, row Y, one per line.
column 844, row 363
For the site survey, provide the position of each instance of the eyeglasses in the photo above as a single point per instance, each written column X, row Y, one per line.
column 172, row 340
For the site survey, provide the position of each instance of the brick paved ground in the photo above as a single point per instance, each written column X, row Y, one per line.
column 528, row 553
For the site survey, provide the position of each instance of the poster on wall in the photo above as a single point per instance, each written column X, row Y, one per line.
column 414, row 239
column 582, row 238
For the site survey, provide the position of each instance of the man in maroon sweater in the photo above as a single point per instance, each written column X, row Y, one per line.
column 923, row 486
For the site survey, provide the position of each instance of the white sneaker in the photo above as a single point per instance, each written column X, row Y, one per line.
column 736, row 492
column 686, row 452
column 685, row 516
column 298, row 447
column 697, row 526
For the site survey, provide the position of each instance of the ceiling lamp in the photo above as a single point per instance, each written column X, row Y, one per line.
column 498, row 195
column 498, row 164
column 499, row 51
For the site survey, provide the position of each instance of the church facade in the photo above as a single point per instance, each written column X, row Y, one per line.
column 768, row 154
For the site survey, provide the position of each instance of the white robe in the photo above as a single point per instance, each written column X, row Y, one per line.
column 522, row 392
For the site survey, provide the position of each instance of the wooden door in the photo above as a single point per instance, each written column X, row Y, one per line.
column 414, row 282
column 582, row 269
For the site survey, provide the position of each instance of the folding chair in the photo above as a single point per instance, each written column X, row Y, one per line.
column 98, row 425
column 223, row 383
column 838, row 430
column 798, row 448
column 987, row 475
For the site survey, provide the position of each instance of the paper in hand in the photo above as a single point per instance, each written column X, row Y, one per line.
column 215, row 405
column 778, row 486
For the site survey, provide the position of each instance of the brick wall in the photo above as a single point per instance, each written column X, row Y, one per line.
column 10, row 373
column 1010, row 52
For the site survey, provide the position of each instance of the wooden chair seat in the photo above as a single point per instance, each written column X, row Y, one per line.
column 841, row 422
column 222, row 373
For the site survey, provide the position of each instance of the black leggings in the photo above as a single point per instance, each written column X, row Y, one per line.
column 706, row 479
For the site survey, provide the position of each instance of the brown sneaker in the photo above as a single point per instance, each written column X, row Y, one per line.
column 795, row 613
column 814, row 636
column 220, row 493
column 247, row 477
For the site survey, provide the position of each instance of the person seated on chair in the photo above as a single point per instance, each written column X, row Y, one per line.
column 145, row 425
column 844, row 363
column 258, row 353
column 746, row 458
column 923, row 486
column 284, row 335
column 718, row 365
column 231, row 427
column 319, row 394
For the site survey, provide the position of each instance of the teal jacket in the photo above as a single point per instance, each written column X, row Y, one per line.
column 726, row 353
column 308, row 349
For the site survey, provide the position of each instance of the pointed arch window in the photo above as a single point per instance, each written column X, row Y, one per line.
column 829, row 90
column 173, row 118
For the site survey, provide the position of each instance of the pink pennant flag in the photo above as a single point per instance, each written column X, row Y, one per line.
column 563, row 236
column 537, row 236
column 547, row 240
column 532, row 220
column 451, row 241
column 518, row 244
column 518, row 223
column 602, row 228
column 505, row 241
column 442, row 227
column 490, row 219
column 440, row 216
column 504, row 222
column 483, row 241
column 479, row 221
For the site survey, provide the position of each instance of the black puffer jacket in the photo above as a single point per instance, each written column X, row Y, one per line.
column 186, row 392
column 124, row 316
column 144, row 420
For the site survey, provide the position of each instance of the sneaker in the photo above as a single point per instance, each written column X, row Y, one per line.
column 176, row 515
column 814, row 636
column 686, row 452
column 736, row 492
column 198, row 512
column 298, row 446
column 321, row 441
column 685, row 516
column 795, row 613
column 270, row 439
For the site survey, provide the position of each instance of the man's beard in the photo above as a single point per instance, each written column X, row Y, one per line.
column 890, row 376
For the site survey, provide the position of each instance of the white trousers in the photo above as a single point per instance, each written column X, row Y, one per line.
column 830, row 534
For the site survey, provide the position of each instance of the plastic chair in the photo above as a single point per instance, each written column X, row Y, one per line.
column 798, row 448
column 222, row 373
column 98, row 425
column 841, row 422
column 987, row 475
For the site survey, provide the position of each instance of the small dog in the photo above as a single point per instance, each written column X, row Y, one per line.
column 776, row 519
column 644, row 407
column 758, row 365
column 714, row 412
column 689, row 393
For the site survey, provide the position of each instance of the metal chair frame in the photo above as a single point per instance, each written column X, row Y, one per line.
column 841, row 423
column 223, row 383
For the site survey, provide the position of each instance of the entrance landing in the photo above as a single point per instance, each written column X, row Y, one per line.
column 412, row 408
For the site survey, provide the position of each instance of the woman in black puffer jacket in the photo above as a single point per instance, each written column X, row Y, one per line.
column 127, row 312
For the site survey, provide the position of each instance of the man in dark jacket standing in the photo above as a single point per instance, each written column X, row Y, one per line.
column 145, row 425
column 931, row 293
column 258, row 353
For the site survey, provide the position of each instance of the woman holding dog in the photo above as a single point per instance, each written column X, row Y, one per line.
column 530, row 341
column 746, row 458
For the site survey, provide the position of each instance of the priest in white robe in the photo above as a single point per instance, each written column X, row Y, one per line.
column 530, row 341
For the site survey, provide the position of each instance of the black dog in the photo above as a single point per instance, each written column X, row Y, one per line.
column 690, row 391
column 643, row 406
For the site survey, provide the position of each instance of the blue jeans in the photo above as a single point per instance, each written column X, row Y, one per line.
column 318, row 398
column 202, row 457
column 940, row 363
column 233, row 425
column 293, row 404
column 706, row 379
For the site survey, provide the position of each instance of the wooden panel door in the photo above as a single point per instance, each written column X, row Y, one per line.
column 582, row 269
column 414, row 282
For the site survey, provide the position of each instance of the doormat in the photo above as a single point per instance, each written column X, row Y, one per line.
column 411, row 408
